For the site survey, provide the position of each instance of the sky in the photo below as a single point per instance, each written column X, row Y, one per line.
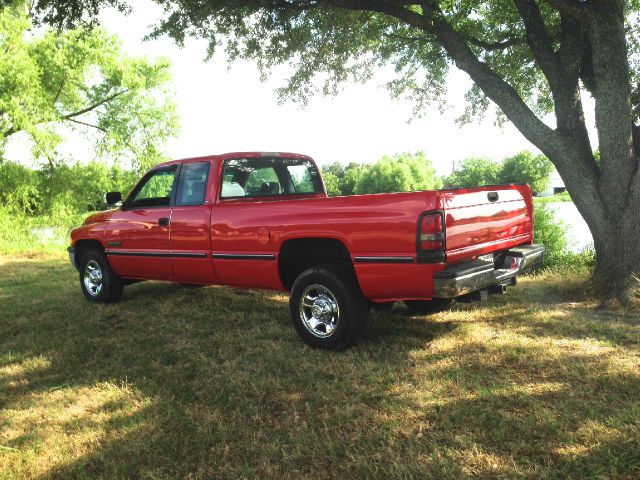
column 224, row 108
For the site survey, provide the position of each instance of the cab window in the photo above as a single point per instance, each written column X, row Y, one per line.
column 192, row 183
column 268, row 177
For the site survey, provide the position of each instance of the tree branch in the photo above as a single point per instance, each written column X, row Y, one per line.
column 79, row 122
column 455, row 44
column 538, row 40
column 55, row 99
column 491, row 46
column 94, row 105
column 571, row 8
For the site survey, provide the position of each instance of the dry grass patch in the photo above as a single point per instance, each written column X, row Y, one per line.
column 212, row 382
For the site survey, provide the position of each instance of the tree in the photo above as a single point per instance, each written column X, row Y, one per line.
column 402, row 173
column 525, row 167
column 528, row 57
column 346, row 176
column 331, row 183
column 474, row 172
column 81, row 80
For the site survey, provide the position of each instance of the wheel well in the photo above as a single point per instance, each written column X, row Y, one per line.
column 82, row 246
column 299, row 254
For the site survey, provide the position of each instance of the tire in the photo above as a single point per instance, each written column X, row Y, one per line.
column 434, row 305
column 334, row 313
column 98, row 282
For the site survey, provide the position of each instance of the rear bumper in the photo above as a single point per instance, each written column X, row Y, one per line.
column 478, row 274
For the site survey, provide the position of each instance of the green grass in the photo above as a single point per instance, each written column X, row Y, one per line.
column 558, row 197
column 177, row 382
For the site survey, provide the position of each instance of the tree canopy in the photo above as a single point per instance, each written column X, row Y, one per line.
column 404, row 172
column 523, row 167
column 346, row 177
column 474, row 172
column 81, row 80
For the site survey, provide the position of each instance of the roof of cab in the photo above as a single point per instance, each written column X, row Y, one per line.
column 225, row 156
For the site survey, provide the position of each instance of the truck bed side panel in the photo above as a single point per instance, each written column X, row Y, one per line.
column 368, row 225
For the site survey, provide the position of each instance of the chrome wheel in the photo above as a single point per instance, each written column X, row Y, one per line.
column 93, row 278
column 319, row 311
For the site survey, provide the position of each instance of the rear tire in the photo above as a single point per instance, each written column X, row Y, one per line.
column 98, row 282
column 328, row 309
column 434, row 305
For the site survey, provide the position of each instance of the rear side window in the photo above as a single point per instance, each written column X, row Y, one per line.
column 192, row 183
column 268, row 177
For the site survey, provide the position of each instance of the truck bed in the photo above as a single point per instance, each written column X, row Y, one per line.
column 380, row 232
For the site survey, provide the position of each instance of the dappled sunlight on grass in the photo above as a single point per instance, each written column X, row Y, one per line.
column 48, row 428
column 213, row 382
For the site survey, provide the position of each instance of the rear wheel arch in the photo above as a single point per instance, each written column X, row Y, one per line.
column 299, row 254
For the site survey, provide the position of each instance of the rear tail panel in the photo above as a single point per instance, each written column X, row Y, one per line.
column 486, row 219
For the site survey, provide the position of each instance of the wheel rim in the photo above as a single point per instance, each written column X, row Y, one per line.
column 93, row 278
column 319, row 311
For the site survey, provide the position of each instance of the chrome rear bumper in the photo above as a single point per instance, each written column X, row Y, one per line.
column 478, row 274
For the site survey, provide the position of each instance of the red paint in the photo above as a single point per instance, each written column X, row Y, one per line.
column 368, row 225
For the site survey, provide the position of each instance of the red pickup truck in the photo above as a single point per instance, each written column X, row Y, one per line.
column 264, row 220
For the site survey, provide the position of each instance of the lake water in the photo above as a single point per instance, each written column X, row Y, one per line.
column 578, row 234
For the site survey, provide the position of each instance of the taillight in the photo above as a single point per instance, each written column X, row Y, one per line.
column 431, row 232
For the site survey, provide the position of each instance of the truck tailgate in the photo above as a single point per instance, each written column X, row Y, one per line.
column 486, row 219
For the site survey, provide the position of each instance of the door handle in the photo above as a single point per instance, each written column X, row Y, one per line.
column 492, row 196
column 163, row 222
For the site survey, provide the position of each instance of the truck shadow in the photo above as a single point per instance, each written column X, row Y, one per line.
column 177, row 382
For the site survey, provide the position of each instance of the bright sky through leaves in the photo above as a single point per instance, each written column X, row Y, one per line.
column 228, row 109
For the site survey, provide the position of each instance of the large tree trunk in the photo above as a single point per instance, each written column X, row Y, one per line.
column 618, row 256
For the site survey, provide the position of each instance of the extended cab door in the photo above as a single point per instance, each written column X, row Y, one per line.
column 253, row 190
column 190, row 217
column 138, row 242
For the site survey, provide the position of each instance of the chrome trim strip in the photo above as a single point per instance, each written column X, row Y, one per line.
column 131, row 253
column 244, row 256
column 382, row 259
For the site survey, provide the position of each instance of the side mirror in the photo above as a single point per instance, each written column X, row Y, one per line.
column 113, row 199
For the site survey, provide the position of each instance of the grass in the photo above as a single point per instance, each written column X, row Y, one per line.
column 177, row 382
column 558, row 197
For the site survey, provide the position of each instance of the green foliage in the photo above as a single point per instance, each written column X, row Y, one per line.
column 77, row 188
column 558, row 197
column 551, row 233
column 331, row 183
column 402, row 173
column 525, row 167
column 19, row 188
column 346, row 176
column 80, row 80
column 474, row 172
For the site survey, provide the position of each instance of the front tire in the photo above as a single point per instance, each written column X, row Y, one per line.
column 328, row 309
column 98, row 282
